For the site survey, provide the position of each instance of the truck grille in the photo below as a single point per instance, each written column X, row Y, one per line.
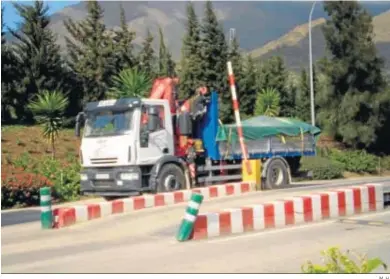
column 103, row 183
column 100, row 161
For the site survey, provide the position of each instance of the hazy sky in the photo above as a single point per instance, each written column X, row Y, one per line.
column 11, row 17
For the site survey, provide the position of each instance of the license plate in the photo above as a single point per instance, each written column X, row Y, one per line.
column 102, row 176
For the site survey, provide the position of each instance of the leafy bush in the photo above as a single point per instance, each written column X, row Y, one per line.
column 24, row 161
column 356, row 161
column 338, row 262
column 66, row 178
column 385, row 163
column 321, row 168
column 21, row 183
column 21, row 189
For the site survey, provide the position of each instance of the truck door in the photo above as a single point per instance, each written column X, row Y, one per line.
column 159, row 142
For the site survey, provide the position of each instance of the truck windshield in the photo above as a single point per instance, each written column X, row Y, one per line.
column 107, row 123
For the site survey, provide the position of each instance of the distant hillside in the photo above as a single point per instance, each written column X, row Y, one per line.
column 256, row 23
column 294, row 46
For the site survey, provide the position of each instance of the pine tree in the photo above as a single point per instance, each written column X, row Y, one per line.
column 273, row 74
column 91, row 54
column 124, row 45
column 351, row 109
column 249, row 88
column 191, row 60
column 38, row 55
column 214, row 52
column 146, row 56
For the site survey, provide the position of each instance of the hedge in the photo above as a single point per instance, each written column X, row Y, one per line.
column 21, row 189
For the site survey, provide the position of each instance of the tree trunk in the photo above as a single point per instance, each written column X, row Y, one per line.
column 53, row 149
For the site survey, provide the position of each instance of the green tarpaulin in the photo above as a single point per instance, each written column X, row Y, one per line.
column 263, row 126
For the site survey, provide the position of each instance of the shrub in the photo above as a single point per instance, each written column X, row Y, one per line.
column 385, row 163
column 356, row 161
column 66, row 178
column 21, row 183
column 322, row 168
column 24, row 161
column 21, row 189
column 338, row 262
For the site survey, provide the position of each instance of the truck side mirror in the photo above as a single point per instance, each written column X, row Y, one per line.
column 153, row 119
column 79, row 118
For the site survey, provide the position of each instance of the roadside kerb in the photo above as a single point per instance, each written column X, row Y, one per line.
column 67, row 216
column 292, row 211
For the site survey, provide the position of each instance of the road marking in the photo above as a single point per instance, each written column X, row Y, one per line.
column 370, row 215
column 377, row 223
column 349, row 221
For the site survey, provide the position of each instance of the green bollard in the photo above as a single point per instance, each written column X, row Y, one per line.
column 46, row 212
column 187, row 223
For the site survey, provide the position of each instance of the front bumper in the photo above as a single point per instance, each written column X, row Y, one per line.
column 108, row 181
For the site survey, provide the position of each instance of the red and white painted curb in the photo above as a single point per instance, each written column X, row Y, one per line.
column 291, row 211
column 68, row 216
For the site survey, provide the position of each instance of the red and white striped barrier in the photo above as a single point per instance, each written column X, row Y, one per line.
column 80, row 213
column 293, row 211
column 236, row 110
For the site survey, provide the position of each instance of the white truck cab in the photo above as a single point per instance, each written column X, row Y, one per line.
column 122, row 142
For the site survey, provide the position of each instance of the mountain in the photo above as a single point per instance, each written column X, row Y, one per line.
column 256, row 23
column 294, row 46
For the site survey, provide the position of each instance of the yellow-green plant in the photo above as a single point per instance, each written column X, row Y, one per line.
column 130, row 83
column 338, row 262
column 48, row 110
column 267, row 103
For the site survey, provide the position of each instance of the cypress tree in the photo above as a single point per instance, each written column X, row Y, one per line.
column 273, row 74
column 124, row 45
column 249, row 88
column 191, row 61
column 214, row 52
column 303, row 98
column 171, row 65
column 162, row 57
column 147, row 57
column 352, row 108
column 91, row 55
column 38, row 56
column 242, row 93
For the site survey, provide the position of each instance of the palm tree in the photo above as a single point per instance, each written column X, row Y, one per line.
column 130, row 83
column 267, row 102
column 48, row 109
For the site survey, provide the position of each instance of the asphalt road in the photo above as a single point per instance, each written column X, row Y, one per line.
column 276, row 251
column 22, row 216
column 144, row 242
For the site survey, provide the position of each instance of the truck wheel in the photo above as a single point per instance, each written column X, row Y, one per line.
column 276, row 174
column 171, row 178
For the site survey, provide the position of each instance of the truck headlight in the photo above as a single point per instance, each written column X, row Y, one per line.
column 83, row 177
column 129, row 176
